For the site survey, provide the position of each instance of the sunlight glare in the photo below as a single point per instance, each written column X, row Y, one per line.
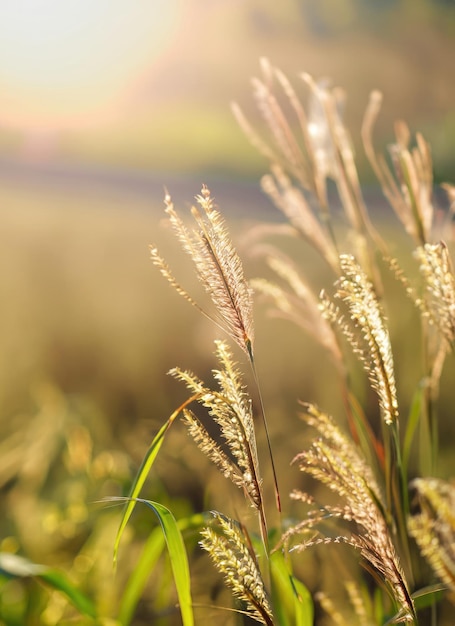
column 64, row 61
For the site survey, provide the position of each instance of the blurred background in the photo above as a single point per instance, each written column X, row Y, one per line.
column 103, row 105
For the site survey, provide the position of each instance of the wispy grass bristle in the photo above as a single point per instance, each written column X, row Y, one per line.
column 290, row 200
column 218, row 268
column 433, row 528
column 232, row 557
column 372, row 342
column 439, row 283
column 230, row 407
column 409, row 187
column 333, row 460
column 368, row 472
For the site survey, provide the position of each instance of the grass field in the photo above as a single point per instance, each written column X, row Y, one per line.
column 89, row 330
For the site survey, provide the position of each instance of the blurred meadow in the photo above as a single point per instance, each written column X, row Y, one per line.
column 104, row 105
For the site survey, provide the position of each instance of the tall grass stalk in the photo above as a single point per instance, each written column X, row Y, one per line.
column 400, row 520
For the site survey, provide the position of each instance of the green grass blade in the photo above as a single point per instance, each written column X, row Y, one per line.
column 178, row 558
column 428, row 596
column 58, row 581
column 149, row 557
column 136, row 583
column 14, row 566
column 411, row 425
column 142, row 474
column 291, row 600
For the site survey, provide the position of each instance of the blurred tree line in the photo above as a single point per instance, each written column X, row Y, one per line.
column 326, row 17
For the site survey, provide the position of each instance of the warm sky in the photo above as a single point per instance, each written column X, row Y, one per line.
column 135, row 66
column 68, row 62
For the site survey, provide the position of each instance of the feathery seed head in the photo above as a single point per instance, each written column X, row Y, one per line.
column 439, row 280
column 373, row 346
column 409, row 186
column 433, row 528
column 231, row 555
column 335, row 461
column 218, row 268
column 231, row 408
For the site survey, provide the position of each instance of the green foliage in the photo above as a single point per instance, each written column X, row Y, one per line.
column 143, row 472
column 178, row 558
column 151, row 553
column 13, row 566
column 291, row 599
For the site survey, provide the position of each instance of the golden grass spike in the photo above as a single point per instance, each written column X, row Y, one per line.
column 221, row 273
column 212, row 450
column 335, row 461
column 373, row 346
column 357, row 601
column 433, row 528
column 233, row 389
column 383, row 173
column 193, row 383
column 308, row 156
column 166, row 271
column 329, row 607
column 409, row 188
column 292, row 203
column 231, row 556
column 218, row 268
column 439, row 300
column 334, row 154
column 230, row 407
column 288, row 151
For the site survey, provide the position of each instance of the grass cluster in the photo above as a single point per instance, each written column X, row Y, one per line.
column 399, row 522
column 360, row 528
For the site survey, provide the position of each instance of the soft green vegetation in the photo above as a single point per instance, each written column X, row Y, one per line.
column 367, row 535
